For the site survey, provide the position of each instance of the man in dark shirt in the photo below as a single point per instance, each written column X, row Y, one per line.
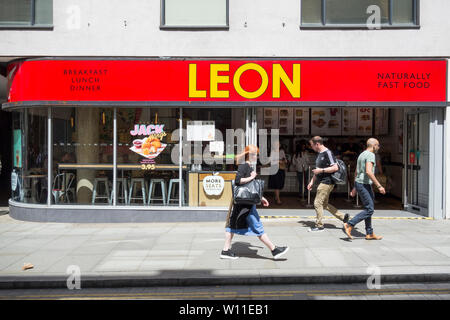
column 325, row 166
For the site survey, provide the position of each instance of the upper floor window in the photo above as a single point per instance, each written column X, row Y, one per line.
column 359, row 13
column 194, row 14
column 26, row 13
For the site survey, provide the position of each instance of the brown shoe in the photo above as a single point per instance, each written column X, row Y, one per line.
column 373, row 237
column 348, row 230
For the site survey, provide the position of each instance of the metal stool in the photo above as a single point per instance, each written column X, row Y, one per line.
column 151, row 191
column 106, row 195
column 69, row 181
column 170, row 199
column 123, row 195
column 135, row 181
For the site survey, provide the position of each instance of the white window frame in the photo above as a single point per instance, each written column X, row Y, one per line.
column 32, row 23
column 164, row 26
column 390, row 25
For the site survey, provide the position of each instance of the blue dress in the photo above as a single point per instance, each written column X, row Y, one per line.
column 255, row 227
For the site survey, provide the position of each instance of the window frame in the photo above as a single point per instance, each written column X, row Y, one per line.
column 32, row 23
column 323, row 26
column 163, row 25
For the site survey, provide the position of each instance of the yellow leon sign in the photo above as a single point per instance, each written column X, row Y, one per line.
column 278, row 73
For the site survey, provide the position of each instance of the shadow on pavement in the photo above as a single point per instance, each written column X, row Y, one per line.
column 355, row 234
column 312, row 224
column 244, row 249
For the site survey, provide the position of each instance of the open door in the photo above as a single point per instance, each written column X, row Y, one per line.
column 417, row 155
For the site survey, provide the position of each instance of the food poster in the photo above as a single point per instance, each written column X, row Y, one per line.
column 260, row 117
column 285, row 121
column 381, row 121
column 349, row 121
column 400, row 136
column 148, row 141
column 217, row 146
column 208, row 130
column 270, row 118
column 326, row 121
column 365, row 121
column 301, row 121
column 194, row 131
column 17, row 148
column 201, row 130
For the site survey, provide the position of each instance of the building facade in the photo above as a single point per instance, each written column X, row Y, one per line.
column 99, row 95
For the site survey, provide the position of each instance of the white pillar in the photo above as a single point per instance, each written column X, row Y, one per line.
column 447, row 156
column 87, row 135
column 447, row 163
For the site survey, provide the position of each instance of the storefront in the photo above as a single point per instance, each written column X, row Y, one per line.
column 155, row 140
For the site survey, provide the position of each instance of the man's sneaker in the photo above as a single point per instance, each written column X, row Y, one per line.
column 316, row 229
column 346, row 217
column 228, row 255
column 279, row 251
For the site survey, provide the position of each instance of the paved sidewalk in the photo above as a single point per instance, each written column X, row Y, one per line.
column 145, row 254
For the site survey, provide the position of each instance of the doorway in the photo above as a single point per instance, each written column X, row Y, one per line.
column 424, row 162
column 417, row 162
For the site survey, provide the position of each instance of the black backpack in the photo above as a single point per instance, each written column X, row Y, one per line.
column 340, row 176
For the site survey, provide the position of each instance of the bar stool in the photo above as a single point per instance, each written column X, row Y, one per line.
column 151, row 191
column 70, row 187
column 106, row 195
column 123, row 195
column 175, row 198
column 135, row 181
column 28, row 189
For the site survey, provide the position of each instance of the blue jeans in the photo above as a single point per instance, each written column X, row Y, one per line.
column 365, row 192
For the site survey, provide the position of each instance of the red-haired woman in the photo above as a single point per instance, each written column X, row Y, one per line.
column 244, row 219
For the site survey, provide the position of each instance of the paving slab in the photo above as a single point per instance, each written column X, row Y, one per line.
column 120, row 255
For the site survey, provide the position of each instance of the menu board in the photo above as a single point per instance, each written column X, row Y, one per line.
column 365, row 117
column 381, row 121
column 285, row 121
column 349, row 121
column 301, row 121
column 270, row 118
column 326, row 121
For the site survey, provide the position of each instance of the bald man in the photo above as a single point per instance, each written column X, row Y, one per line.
column 364, row 178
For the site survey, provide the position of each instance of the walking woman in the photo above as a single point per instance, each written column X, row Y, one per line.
column 244, row 219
